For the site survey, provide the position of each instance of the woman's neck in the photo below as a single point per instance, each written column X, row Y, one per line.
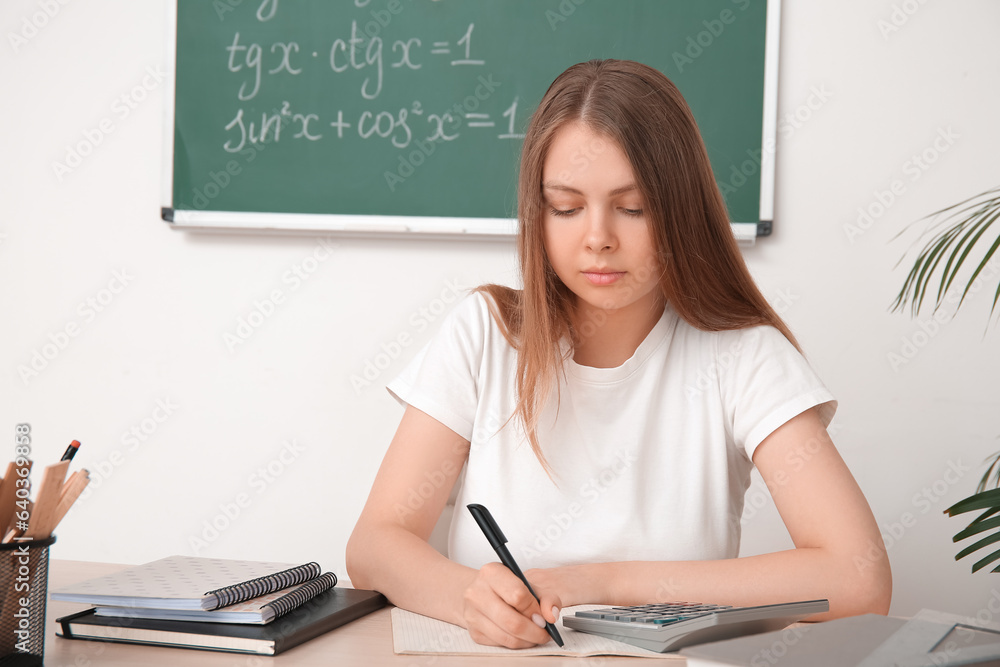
column 608, row 338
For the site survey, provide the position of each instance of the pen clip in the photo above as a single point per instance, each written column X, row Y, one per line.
column 487, row 524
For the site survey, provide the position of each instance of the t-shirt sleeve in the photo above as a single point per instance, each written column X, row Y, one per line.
column 443, row 379
column 768, row 383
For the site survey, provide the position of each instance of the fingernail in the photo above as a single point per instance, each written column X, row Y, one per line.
column 555, row 613
column 539, row 621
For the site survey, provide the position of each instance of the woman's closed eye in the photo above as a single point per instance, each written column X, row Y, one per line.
column 562, row 211
column 631, row 212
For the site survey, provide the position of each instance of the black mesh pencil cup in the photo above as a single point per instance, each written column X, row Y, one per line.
column 24, row 577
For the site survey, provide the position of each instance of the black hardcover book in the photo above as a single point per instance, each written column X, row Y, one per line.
column 323, row 613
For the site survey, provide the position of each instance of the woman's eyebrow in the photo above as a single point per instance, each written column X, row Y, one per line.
column 623, row 189
column 560, row 187
column 566, row 188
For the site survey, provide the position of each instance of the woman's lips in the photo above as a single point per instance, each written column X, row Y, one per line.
column 604, row 277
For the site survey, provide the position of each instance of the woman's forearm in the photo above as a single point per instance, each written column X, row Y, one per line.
column 408, row 571
column 854, row 585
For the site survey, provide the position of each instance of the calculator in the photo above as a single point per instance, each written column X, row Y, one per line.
column 674, row 625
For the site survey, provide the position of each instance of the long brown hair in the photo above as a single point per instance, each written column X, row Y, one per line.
column 703, row 275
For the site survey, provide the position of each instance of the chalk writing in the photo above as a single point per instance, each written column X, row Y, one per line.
column 361, row 50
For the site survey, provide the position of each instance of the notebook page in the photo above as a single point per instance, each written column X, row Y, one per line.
column 416, row 634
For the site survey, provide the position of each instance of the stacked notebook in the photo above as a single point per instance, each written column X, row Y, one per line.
column 213, row 603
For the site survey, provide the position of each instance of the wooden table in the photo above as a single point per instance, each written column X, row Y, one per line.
column 366, row 642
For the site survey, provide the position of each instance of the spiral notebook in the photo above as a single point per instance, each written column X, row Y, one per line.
column 258, row 610
column 191, row 583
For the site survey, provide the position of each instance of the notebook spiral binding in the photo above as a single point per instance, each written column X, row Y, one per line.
column 302, row 594
column 228, row 595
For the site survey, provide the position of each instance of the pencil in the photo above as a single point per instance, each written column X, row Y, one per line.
column 47, row 499
column 71, row 490
column 70, row 451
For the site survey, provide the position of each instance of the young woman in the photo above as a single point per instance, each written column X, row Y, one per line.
column 610, row 412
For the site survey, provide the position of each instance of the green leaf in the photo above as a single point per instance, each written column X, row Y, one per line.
column 940, row 212
column 984, row 500
column 951, row 236
column 980, row 564
column 930, row 265
column 916, row 280
column 966, row 201
column 996, row 297
column 987, row 514
column 994, row 465
column 982, row 265
column 976, row 527
column 949, row 273
column 995, row 537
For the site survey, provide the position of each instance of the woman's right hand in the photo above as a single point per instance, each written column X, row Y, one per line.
column 498, row 609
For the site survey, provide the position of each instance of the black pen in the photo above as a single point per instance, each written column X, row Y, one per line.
column 497, row 541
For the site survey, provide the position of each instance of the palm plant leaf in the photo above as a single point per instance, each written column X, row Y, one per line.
column 988, row 513
column 980, row 564
column 976, row 546
column 982, row 221
column 977, row 527
column 982, row 500
column 988, row 520
column 994, row 468
column 965, row 227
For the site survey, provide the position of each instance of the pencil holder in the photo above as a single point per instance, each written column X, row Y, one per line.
column 24, row 582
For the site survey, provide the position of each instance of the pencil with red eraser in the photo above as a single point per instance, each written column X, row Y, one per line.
column 70, row 451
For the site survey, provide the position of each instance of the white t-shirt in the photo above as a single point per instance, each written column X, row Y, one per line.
column 651, row 459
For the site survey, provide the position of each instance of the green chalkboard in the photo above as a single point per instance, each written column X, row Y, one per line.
column 397, row 108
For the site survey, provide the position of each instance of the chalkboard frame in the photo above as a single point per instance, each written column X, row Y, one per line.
column 444, row 228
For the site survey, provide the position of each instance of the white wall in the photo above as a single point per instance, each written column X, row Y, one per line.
column 876, row 100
